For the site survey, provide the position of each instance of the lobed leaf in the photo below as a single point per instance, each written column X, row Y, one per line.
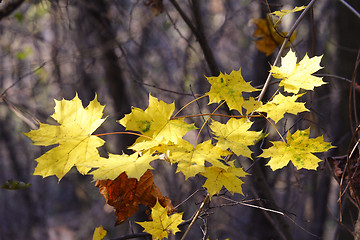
column 229, row 87
column 298, row 150
column 235, row 135
column 190, row 159
column 268, row 36
column 227, row 177
column 134, row 166
column 161, row 224
column 76, row 145
column 155, row 122
column 283, row 13
column 280, row 104
column 296, row 76
column 125, row 194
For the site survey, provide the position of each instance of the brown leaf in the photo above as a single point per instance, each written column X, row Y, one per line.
column 125, row 194
column 350, row 168
column 157, row 6
column 268, row 37
column 353, row 178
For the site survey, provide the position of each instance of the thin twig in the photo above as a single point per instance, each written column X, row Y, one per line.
column 333, row 76
column 249, row 205
column 10, row 8
column 214, row 114
column 21, row 78
column 351, row 8
column 164, row 89
column 191, row 195
column 196, row 216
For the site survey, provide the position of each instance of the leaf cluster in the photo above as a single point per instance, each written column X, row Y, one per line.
column 161, row 137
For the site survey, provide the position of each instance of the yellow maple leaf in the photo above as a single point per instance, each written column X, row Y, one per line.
column 229, row 87
column 251, row 105
column 283, row 13
column 99, row 233
column 268, row 36
column 227, row 177
column 76, row 145
column 235, row 135
column 298, row 150
column 161, row 224
column 155, row 122
column 298, row 75
column 190, row 159
column 134, row 165
column 280, row 104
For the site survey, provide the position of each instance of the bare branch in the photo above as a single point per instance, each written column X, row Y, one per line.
column 9, row 8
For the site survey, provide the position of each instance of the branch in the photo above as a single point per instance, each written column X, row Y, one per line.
column 351, row 8
column 209, row 56
column 287, row 38
column 9, row 8
column 196, row 216
column 199, row 33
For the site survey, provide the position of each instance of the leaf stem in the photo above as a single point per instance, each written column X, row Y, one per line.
column 275, row 128
column 215, row 114
column 202, row 127
column 113, row 133
column 188, row 104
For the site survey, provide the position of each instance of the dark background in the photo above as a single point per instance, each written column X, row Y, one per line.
column 122, row 52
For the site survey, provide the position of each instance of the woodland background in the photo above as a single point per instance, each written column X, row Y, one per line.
column 122, row 50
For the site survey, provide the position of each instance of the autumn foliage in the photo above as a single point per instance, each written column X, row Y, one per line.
column 126, row 181
column 125, row 194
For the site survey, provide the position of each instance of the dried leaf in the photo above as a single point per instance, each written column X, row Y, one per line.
column 157, row 6
column 269, row 38
column 125, row 194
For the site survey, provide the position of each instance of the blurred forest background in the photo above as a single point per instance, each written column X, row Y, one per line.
column 122, row 50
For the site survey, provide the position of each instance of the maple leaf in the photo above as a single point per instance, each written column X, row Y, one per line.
column 142, row 144
column 190, row 159
column 235, row 135
column 125, row 194
column 229, row 87
column 99, row 233
column 282, row 13
column 280, row 104
column 134, row 166
column 76, row 145
column 298, row 150
column 161, row 224
column 251, row 105
column 269, row 38
column 298, row 75
column 224, row 176
column 155, row 122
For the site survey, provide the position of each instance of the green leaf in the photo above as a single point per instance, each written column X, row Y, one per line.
column 15, row 185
